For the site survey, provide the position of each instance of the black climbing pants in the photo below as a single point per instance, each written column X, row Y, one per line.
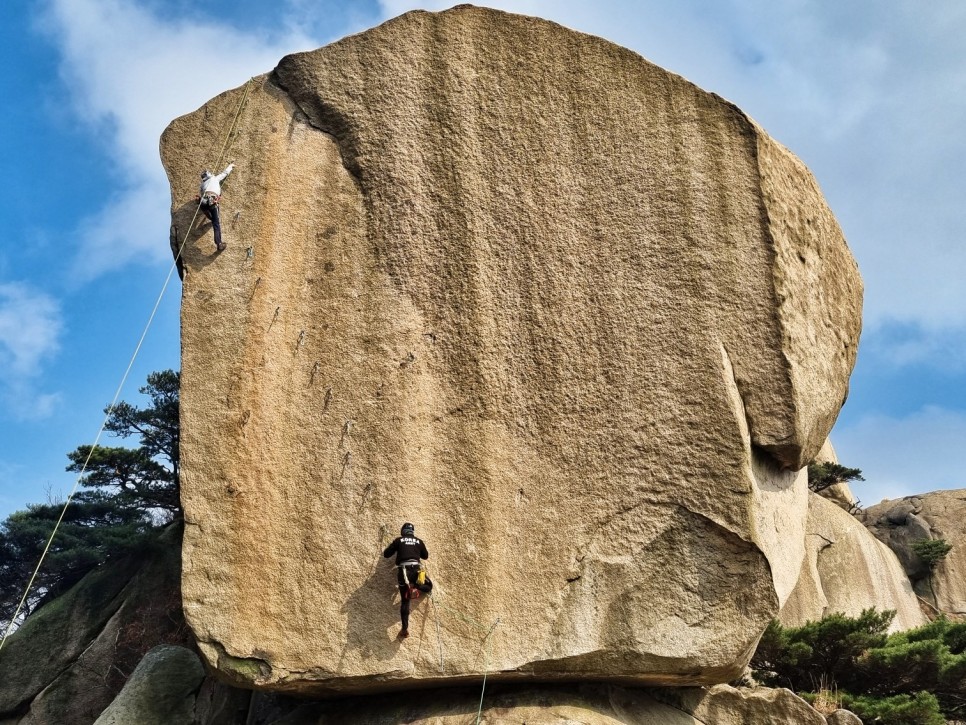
column 211, row 211
column 410, row 573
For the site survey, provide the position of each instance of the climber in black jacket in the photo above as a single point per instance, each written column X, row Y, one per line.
column 409, row 549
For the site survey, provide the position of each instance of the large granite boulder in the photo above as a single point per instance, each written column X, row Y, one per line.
column 901, row 523
column 846, row 570
column 580, row 321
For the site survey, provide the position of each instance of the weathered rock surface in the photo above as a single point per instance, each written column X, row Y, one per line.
column 846, row 570
column 576, row 318
column 62, row 665
column 725, row 705
column 843, row 717
column 900, row 523
column 161, row 690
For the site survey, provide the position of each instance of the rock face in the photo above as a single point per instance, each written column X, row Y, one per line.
column 724, row 705
column 843, row 717
column 938, row 515
column 846, row 570
column 577, row 319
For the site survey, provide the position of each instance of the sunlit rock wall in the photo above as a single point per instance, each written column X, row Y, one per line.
column 579, row 320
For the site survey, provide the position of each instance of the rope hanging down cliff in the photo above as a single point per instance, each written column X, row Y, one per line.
column 485, row 644
column 127, row 371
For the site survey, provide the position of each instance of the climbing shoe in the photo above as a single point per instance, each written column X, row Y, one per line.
column 403, row 634
column 221, row 247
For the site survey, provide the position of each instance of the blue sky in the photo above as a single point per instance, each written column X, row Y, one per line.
column 871, row 96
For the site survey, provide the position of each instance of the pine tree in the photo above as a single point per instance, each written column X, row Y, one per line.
column 126, row 494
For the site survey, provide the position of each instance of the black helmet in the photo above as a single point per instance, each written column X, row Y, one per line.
column 408, row 528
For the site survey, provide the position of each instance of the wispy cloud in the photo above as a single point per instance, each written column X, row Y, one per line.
column 901, row 456
column 128, row 73
column 30, row 332
column 902, row 345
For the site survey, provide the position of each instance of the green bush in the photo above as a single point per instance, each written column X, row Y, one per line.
column 919, row 709
column 799, row 658
column 932, row 551
column 823, row 475
column 920, row 667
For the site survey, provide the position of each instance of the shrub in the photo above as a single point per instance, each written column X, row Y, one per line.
column 932, row 551
column 823, row 475
column 896, row 676
column 800, row 658
column 919, row 709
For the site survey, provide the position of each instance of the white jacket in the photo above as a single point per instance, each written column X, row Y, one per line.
column 212, row 185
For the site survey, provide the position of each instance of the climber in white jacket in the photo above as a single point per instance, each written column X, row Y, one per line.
column 209, row 196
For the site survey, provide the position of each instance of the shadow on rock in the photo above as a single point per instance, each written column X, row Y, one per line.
column 372, row 613
column 187, row 238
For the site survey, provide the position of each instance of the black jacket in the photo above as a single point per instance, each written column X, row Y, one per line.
column 407, row 548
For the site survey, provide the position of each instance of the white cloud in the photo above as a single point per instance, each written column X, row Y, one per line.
column 30, row 326
column 30, row 332
column 901, row 456
column 129, row 73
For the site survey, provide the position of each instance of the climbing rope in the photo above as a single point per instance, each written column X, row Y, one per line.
column 487, row 641
column 221, row 157
column 117, row 394
column 439, row 637
column 486, row 667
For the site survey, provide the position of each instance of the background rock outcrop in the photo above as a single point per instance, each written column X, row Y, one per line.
column 846, row 570
column 900, row 523
column 69, row 659
column 163, row 689
column 577, row 319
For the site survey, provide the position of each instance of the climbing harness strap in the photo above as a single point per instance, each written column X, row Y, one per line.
column 411, row 591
